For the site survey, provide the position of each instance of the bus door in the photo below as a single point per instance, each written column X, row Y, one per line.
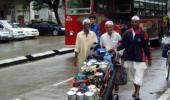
column 75, row 12
column 103, row 10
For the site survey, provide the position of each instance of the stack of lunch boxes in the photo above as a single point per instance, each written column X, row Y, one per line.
column 86, row 83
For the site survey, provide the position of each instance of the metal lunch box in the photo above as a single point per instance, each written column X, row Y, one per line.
column 79, row 96
column 71, row 95
column 89, row 96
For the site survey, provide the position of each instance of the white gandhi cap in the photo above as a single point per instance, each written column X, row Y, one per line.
column 135, row 18
column 86, row 21
column 109, row 23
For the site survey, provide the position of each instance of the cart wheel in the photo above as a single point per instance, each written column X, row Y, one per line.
column 115, row 97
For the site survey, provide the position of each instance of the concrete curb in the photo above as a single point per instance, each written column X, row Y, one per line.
column 64, row 50
column 33, row 57
column 41, row 55
column 13, row 61
column 165, row 95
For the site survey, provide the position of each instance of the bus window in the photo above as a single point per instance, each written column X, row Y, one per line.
column 103, row 6
column 76, row 7
column 100, row 6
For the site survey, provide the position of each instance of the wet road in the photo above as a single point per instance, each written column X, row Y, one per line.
column 154, row 80
column 27, row 78
column 25, row 47
column 49, row 79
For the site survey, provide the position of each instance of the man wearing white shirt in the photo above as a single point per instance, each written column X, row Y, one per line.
column 110, row 39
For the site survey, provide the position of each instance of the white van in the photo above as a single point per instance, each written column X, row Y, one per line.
column 4, row 35
column 16, row 32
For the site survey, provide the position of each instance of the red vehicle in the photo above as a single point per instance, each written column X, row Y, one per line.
column 151, row 13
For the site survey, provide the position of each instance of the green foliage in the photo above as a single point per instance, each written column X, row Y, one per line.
column 37, row 5
column 24, row 3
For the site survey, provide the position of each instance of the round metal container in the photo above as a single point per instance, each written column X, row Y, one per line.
column 95, row 92
column 71, row 95
column 89, row 96
column 74, row 89
column 91, row 86
column 79, row 96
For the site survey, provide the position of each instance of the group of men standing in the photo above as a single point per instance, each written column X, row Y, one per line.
column 134, row 43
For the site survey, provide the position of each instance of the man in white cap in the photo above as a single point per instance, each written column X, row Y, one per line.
column 137, row 49
column 84, row 41
column 110, row 40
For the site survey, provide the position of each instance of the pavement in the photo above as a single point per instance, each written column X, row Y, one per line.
column 154, row 87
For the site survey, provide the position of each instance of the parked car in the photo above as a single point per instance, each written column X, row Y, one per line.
column 29, row 32
column 48, row 28
column 5, row 35
column 16, row 32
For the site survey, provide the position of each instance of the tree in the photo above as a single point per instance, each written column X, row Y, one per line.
column 52, row 4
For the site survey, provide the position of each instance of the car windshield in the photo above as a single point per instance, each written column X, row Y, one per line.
column 7, row 24
column 14, row 25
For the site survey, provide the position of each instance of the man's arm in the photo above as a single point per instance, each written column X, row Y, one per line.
column 94, row 37
column 147, row 48
column 121, row 44
column 76, row 50
column 98, row 33
column 76, row 58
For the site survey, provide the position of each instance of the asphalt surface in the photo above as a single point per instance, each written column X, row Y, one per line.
column 30, row 46
column 50, row 79
column 27, row 78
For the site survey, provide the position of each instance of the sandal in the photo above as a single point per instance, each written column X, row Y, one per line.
column 134, row 94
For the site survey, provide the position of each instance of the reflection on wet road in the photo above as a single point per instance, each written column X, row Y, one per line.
column 25, row 47
column 41, row 80
column 25, row 79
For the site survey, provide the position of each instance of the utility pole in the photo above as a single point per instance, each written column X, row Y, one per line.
column 168, row 13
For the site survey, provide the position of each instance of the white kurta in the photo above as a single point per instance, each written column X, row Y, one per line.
column 110, row 42
column 83, row 44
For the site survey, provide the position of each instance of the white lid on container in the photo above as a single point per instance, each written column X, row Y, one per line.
column 74, row 89
column 71, row 93
column 89, row 94
column 91, row 86
column 79, row 94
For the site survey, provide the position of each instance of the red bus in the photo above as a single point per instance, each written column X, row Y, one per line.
column 151, row 13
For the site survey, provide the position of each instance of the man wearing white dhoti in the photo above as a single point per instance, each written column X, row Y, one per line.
column 137, row 48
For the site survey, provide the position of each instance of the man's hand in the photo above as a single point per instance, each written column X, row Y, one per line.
column 110, row 50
